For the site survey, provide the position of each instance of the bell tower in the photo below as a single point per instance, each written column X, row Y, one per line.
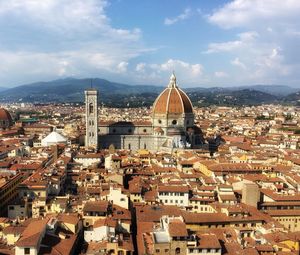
column 91, row 119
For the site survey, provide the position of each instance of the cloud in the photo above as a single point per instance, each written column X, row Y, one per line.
column 175, row 64
column 245, row 39
column 249, row 13
column 122, row 67
column 140, row 67
column 185, row 15
column 268, row 42
column 158, row 73
column 221, row 74
column 237, row 62
column 64, row 38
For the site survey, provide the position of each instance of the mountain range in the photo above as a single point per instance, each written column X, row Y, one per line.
column 120, row 95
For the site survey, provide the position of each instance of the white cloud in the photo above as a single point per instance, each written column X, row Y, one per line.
column 140, row 67
column 237, row 62
column 185, row 15
column 159, row 73
column 221, row 74
column 247, row 13
column 64, row 38
column 269, row 51
column 179, row 65
column 122, row 67
column 245, row 39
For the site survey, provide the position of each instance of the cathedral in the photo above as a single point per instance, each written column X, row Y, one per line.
column 172, row 124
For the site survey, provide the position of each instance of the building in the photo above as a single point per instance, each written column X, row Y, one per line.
column 53, row 138
column 5, row 119
column 91, row 113
column 172, row 124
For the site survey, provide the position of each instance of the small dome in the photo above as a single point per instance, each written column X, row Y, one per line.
column 172, row 100
column 53, row 138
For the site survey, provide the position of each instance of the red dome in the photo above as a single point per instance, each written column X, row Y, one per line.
column 172, row 100
column 5, row 115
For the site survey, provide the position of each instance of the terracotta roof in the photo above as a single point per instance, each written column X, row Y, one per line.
column 32, row 234
column 177, row 228
column 172, row 101
column 208, row 241
column 96, row 206
column 5, row 115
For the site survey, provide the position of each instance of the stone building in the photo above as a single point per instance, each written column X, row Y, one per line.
column 172, row 125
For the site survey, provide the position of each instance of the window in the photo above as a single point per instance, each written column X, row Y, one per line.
column 91, row 108
column 145, row 130
column 26, row 250
column 166, row 250
column 145, row 146
column 174, row 122
column 159, row 121
column 187, row 122
column 11, row 208
column 114, row 130
column 177, row 250
column 129, row 146
column 157, row 250
column 129, row 130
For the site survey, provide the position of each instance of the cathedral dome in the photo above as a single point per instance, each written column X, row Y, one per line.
column 5, row 118
column 5, row 115
column 172, row 100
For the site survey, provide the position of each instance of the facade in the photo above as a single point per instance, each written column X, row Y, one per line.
column 91, row 113
column 172, row 124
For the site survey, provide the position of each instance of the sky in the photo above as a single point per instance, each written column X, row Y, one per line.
column 205, row 42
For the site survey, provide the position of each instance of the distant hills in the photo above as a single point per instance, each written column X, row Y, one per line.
column 120, row 95
column 2, row 89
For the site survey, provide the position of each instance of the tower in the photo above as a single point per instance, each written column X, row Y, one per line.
column 91, row 121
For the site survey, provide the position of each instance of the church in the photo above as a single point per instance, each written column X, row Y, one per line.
column 172, row 124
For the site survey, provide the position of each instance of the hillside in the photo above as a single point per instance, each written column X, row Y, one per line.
column 121, row 95
column 70, row 90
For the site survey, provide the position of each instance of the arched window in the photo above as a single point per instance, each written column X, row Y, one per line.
column 145, row 146
column 177, row 250
column 91, row 108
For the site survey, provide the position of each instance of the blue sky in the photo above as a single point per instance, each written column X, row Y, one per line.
column 207, row 43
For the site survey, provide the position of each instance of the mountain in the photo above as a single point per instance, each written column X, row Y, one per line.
column 120, row 95
column 70, row 90
column 293, row 98
column 275, row 90
column 2, row 89
column 228, row 97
